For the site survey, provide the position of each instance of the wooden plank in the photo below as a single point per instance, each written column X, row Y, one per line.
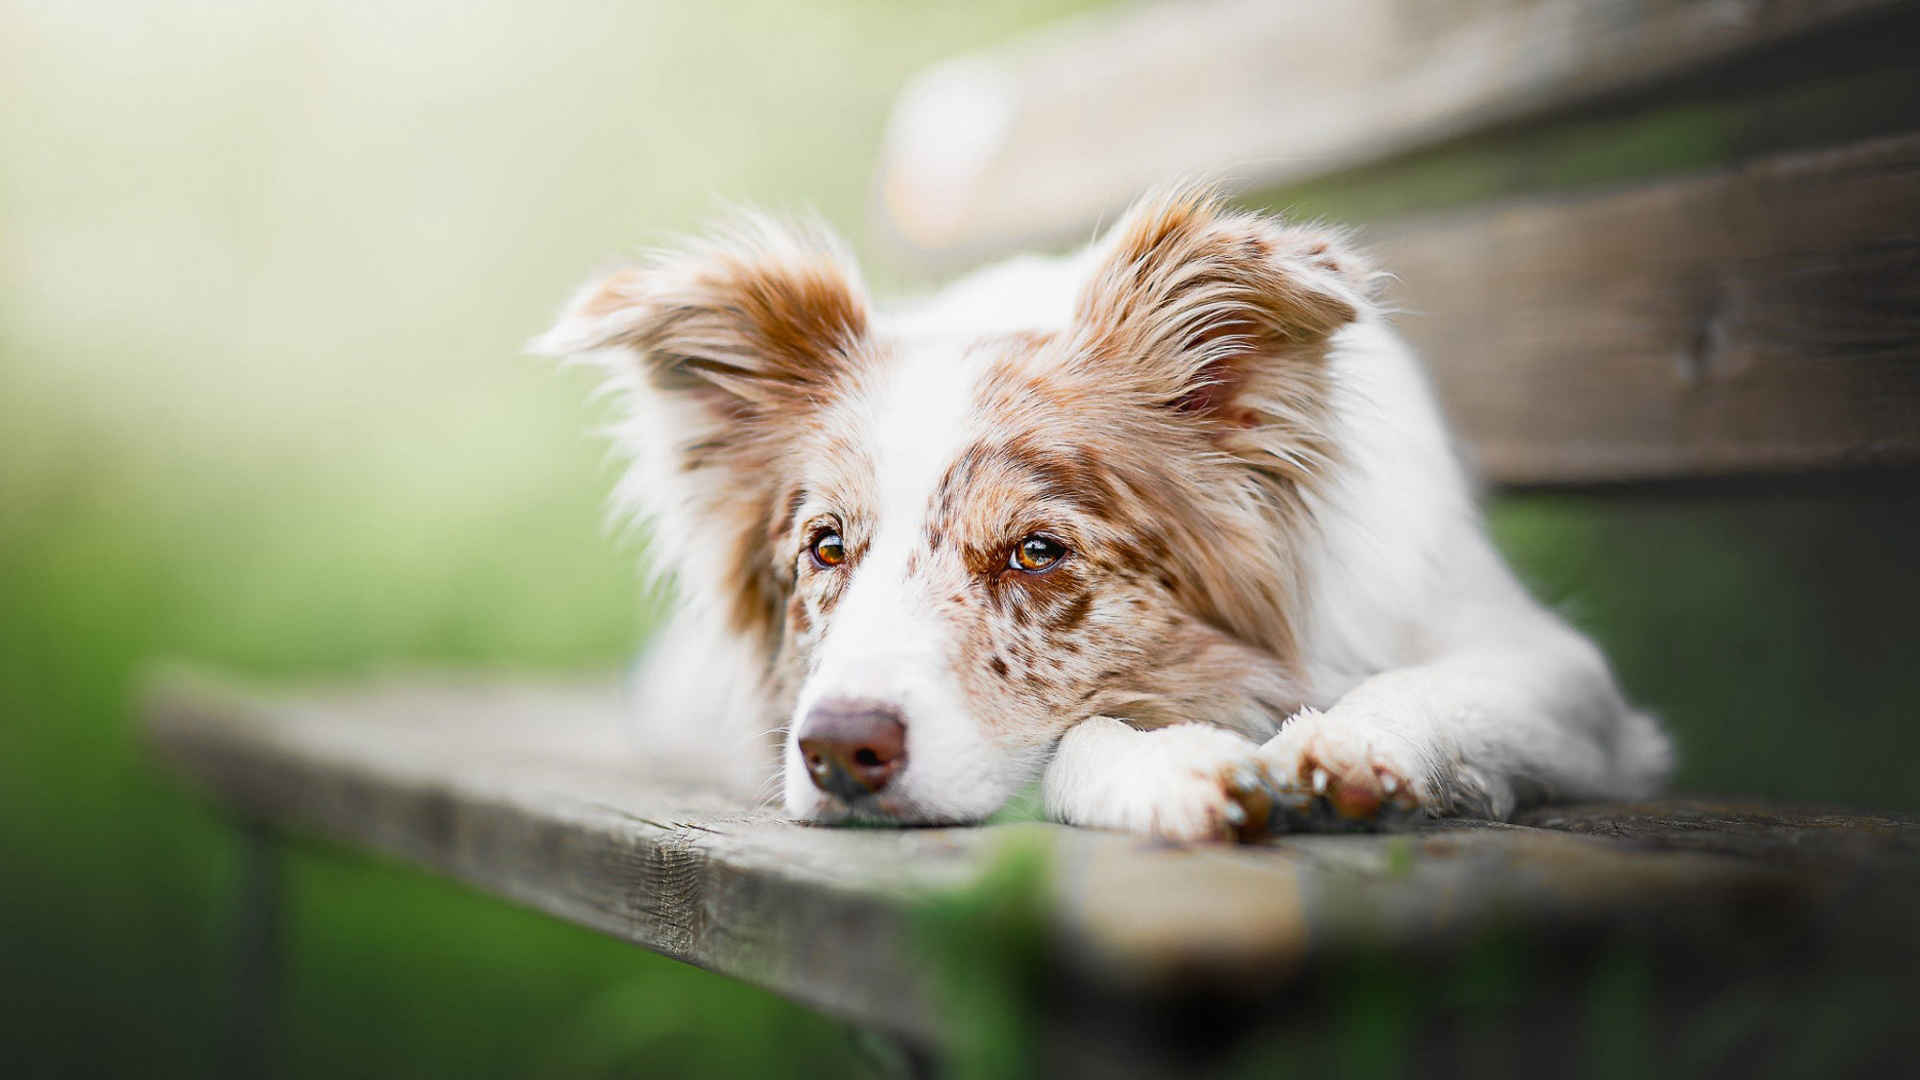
column 533, row 794
column 1765, row 318
column 1609, row 149
column 1038, row 140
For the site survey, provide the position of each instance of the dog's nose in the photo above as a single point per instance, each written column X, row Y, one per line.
column 852, row 748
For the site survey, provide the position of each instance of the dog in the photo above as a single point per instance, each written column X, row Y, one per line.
column 1172, row 527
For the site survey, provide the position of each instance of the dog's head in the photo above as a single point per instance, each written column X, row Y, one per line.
column 951, row 548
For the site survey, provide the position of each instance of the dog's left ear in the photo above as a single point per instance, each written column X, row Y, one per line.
column 1218, row 313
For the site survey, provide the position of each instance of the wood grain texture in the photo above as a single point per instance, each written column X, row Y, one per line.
column 1036, row 141
column 531, row 793
column 1761, row 319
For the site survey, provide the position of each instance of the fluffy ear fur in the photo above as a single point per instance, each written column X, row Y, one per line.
column 1223, row 315
column 720, row 350
column 1213, row 325
column 756, row 314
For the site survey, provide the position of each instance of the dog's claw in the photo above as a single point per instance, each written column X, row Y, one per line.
column 1251, row 797
column 1326, row 800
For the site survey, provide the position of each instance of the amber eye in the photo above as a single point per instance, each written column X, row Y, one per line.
column 1035, row 554
column 827, row 549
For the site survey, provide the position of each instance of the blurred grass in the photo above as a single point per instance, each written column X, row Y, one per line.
column 263, row 276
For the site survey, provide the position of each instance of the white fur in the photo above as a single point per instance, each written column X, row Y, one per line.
column 697, row 689
column 1166, row 782
column 884, row 646
column 1031, row 292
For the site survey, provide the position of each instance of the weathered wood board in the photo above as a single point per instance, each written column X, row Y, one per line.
column 1763, row 318
column 534, row 794
column 1039, row 140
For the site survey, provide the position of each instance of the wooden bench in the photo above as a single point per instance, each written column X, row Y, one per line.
column 1758, row 315
column 532, row 793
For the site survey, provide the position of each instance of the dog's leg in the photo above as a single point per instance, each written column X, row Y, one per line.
column 1187, row 782
column 1479, row 731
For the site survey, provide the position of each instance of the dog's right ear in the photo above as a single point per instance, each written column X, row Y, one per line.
column 722, row 352
column 743, row 323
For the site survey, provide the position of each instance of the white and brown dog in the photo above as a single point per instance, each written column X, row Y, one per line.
column 1164, row 525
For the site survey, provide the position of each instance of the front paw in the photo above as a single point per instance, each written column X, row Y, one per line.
column 1233, row 800
column 1359, row 772
column 1185, row 784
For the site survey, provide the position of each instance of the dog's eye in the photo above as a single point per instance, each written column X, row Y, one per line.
column 1035, row 554
column 828, row 550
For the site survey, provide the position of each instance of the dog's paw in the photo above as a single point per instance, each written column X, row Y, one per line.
column 1186, row 784
column 1226, row 801
column 1361, row 773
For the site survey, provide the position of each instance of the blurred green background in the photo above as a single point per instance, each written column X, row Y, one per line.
column 264, row 273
